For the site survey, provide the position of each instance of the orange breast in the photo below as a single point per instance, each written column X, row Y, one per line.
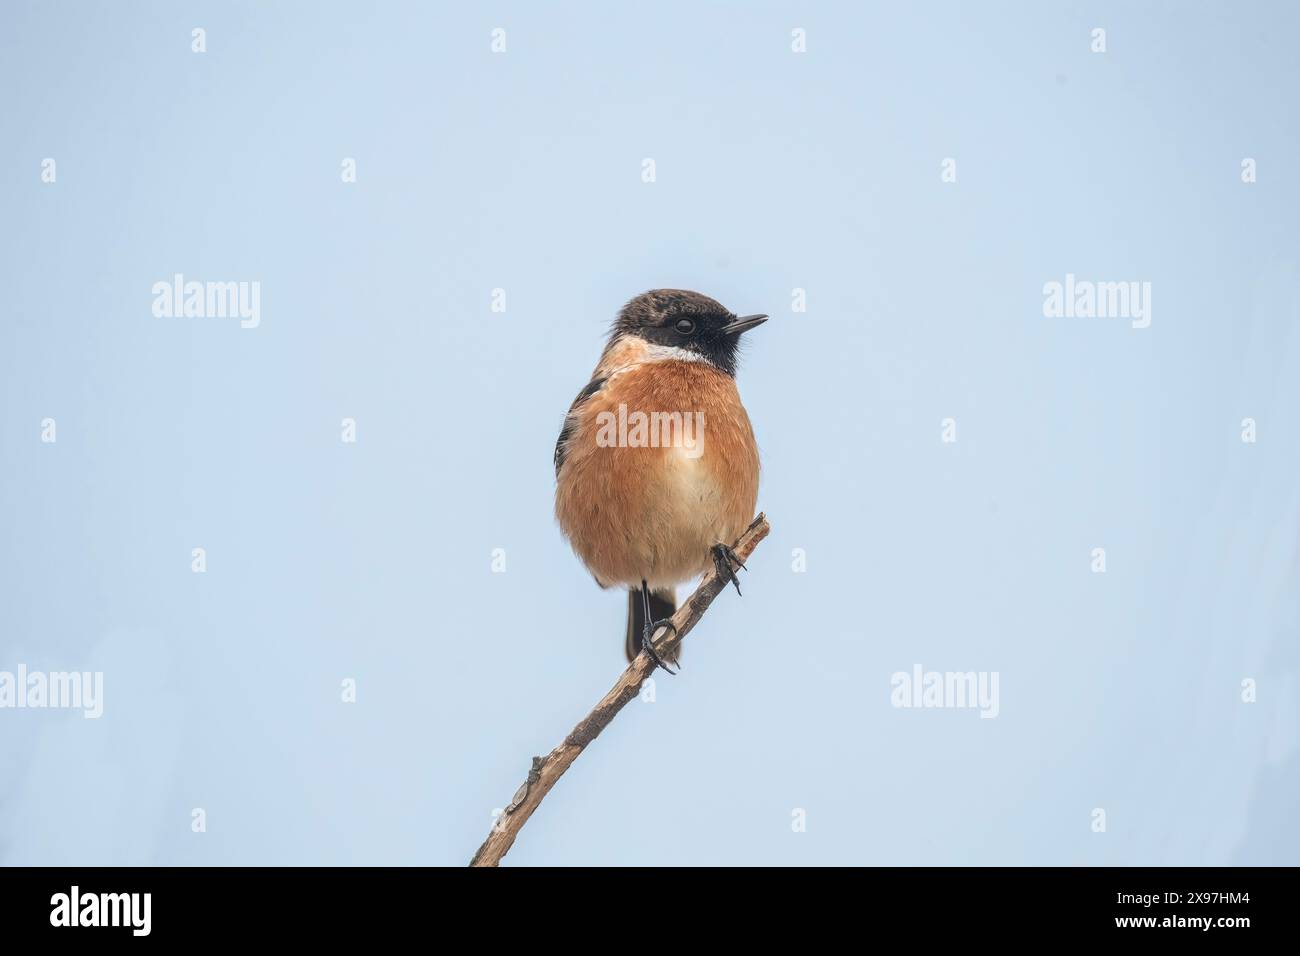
column 661, row 465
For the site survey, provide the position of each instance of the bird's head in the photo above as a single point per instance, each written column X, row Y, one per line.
column 700, row 327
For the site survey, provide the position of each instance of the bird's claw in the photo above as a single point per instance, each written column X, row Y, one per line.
column 724, row 556
column 647, row 642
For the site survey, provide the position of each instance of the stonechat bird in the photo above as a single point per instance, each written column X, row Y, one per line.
column 656, row 466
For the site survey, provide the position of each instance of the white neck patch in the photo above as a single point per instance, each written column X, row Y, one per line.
column 671, row 353
column 628, row 351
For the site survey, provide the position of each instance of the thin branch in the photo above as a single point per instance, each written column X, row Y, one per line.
column 547, row 770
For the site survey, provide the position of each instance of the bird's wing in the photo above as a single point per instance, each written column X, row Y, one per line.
column 561, row 443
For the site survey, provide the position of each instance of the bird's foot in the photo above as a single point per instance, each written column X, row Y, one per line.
column 726, row 561
column 647, row 642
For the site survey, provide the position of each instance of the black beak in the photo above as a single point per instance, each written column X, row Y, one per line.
column 743, row 324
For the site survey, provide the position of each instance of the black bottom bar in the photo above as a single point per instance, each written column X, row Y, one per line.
column 335, row 906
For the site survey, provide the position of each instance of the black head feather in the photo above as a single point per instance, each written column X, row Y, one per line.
column 678, row 318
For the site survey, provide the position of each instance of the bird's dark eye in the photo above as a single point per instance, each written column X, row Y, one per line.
column 685, row 326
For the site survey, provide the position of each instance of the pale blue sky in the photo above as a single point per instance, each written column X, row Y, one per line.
column 775, row 171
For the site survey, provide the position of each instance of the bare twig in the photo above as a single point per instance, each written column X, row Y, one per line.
column 547, row 770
